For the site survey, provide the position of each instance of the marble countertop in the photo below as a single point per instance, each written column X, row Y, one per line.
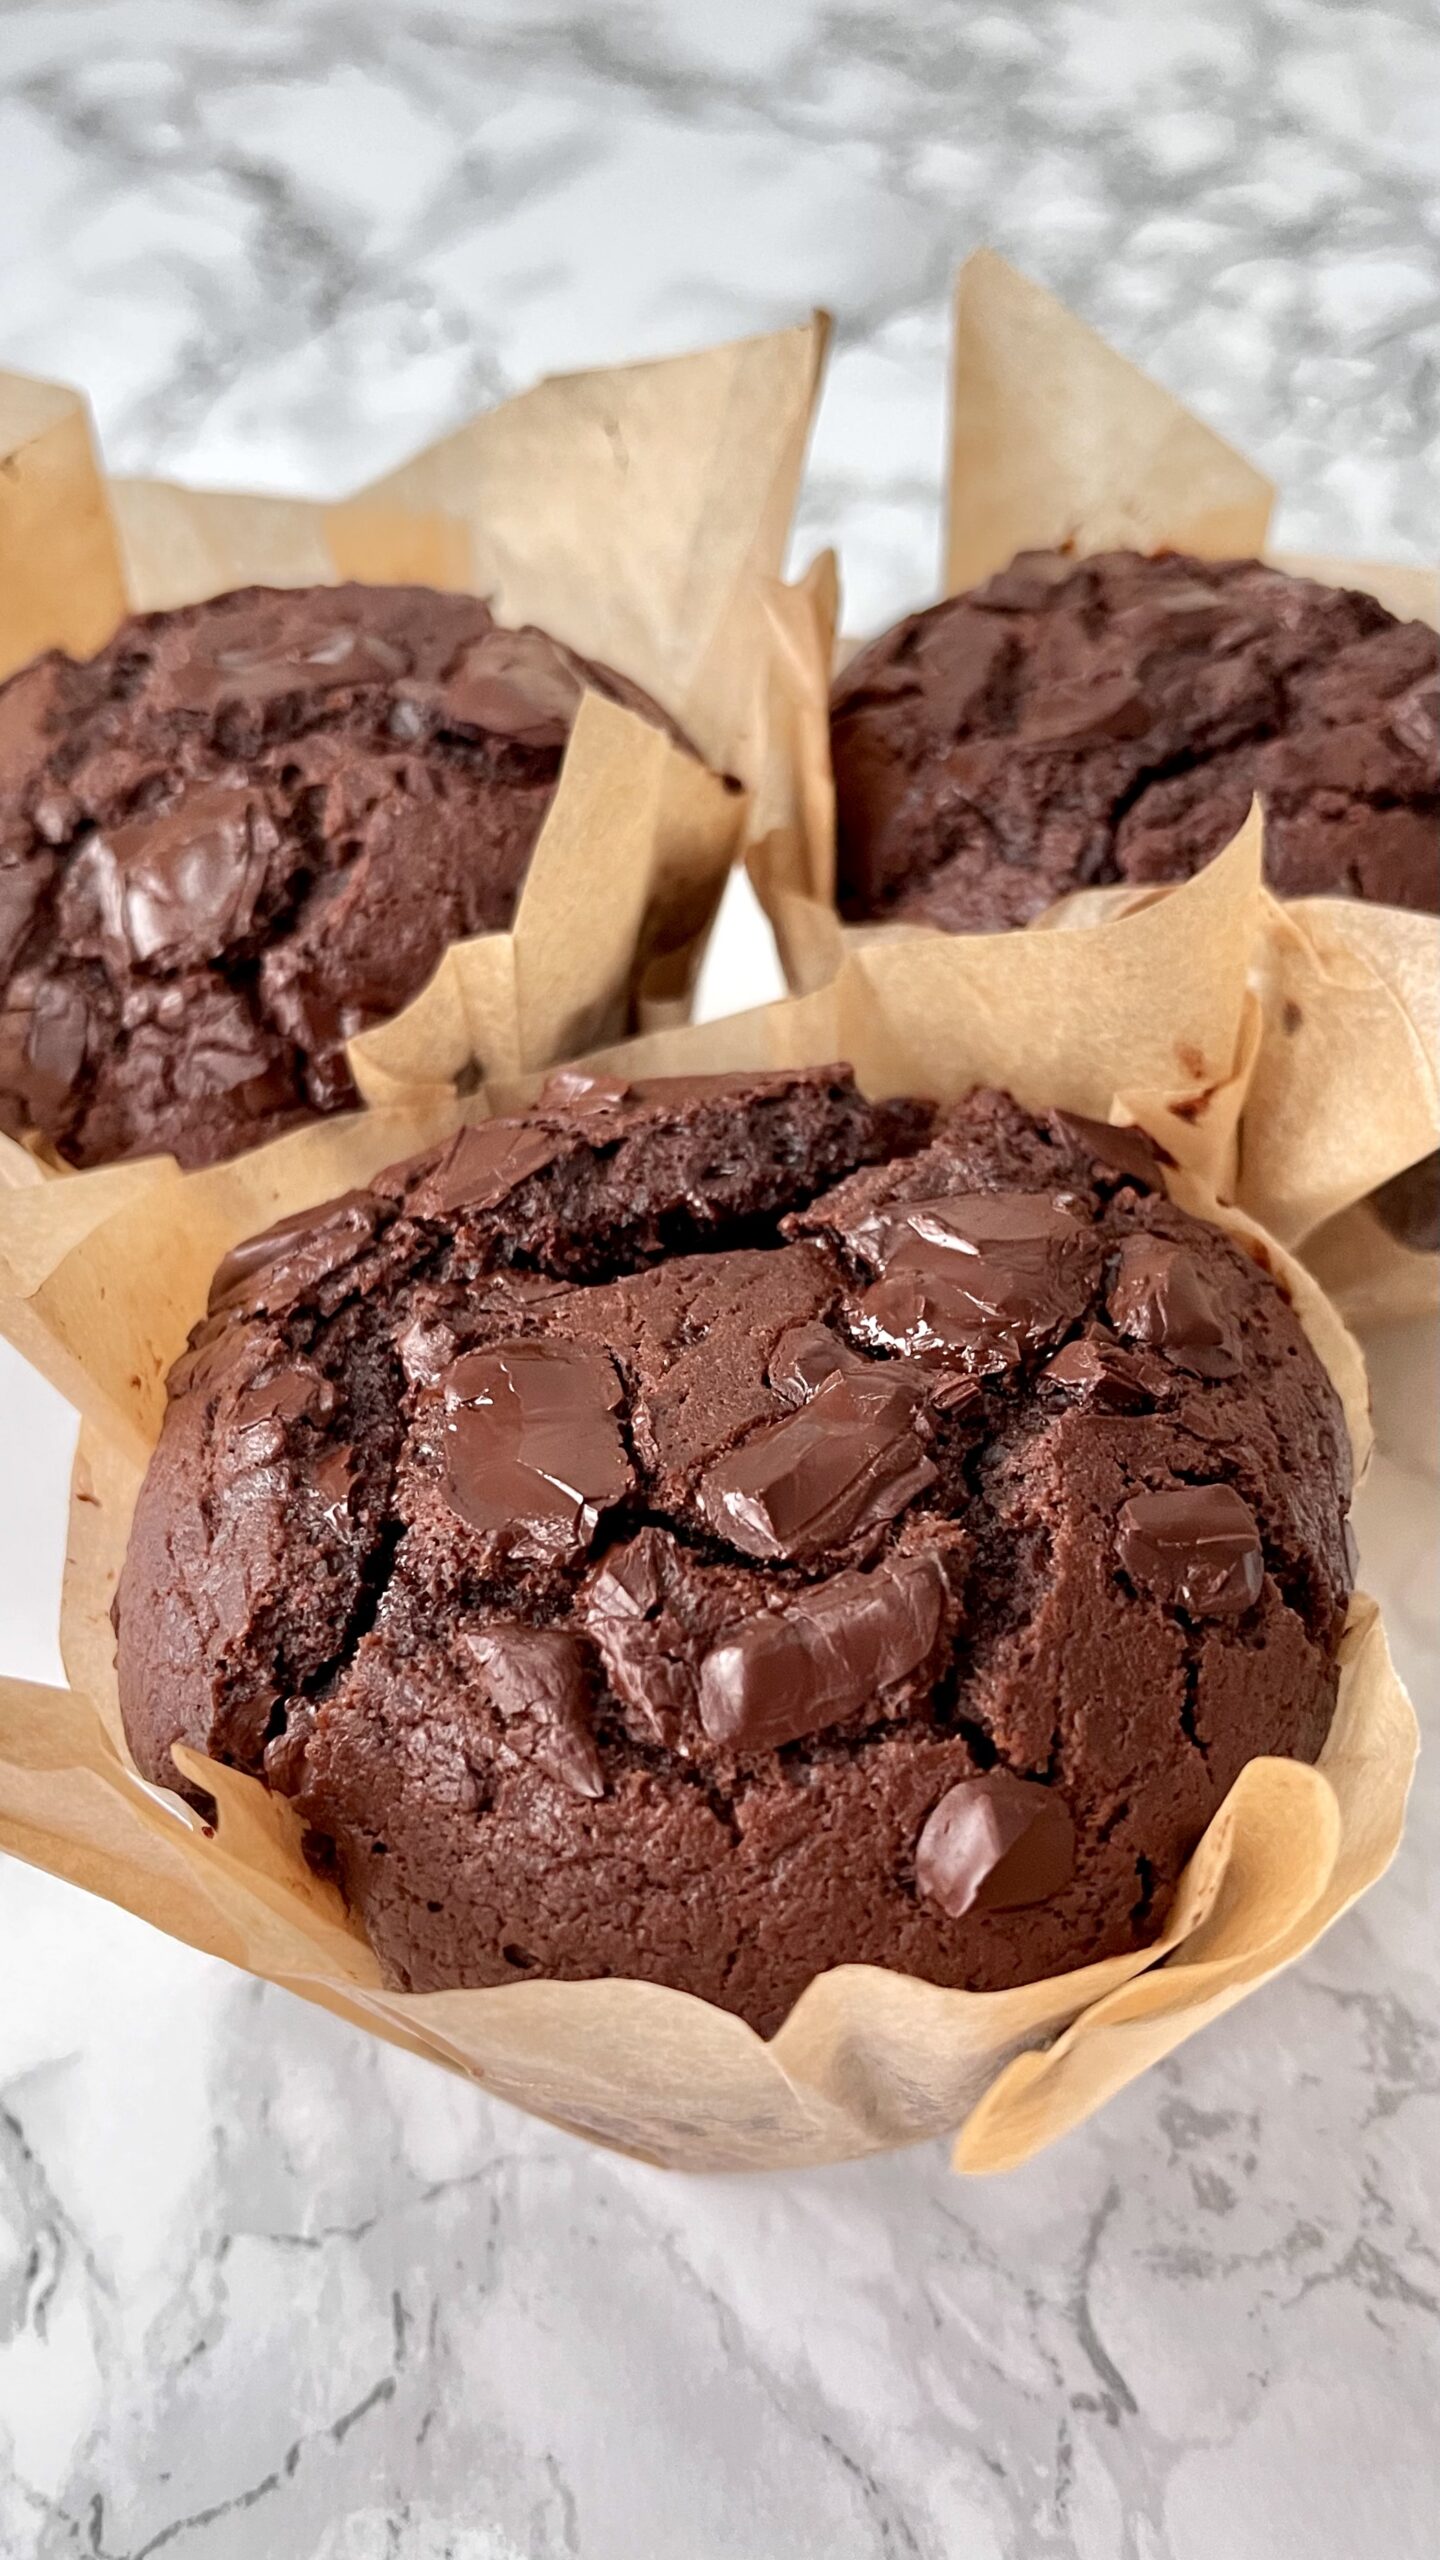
column 267, row 2287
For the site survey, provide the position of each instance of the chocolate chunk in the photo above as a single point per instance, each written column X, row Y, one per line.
column 426, row 1348
column 536, row 1678
column 285, row 1396
column 532, row 1452
column 214, row 1349
column 1083, row 709
column 631, row 1581
column 174, row 883
column 1158, row 1297
column 23, row 886
column 345, row 654
column 648, row 1662
column 807, row 1355
column 1197, row 1548
column 515, row 684
column 580, row 1090
column 986, row 1276
column 849, row 1460
column 263, row 1409
column 833, row 1650
column 480, row 1167
column 1104, row 1375
column 1127, row 1151
column 996, row 1843
column 335, row 1477
column 55, row 1044
column 266, row 1272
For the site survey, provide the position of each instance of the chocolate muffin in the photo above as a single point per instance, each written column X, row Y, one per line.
column 717, row 1530
column 1076, row 723
column 245, row 832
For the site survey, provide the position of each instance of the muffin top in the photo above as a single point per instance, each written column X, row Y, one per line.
column 1076, row 723
column 716, row 1530
column 244, row 832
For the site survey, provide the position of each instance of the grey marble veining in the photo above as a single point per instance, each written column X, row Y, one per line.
column 267, row 2288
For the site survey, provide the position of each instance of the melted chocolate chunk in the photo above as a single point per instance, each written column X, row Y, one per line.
column 650, row 1662
column 264, row 1274
column 1124, row 1151
column 274, row 663
column 263, row 1409
column 578, row 1091
column 1197, row 1548
column 1104, row 1375
column 516, row 684
column 807, row 1355
column 531, row 1449
column 170, row 886
column 536, row 1678
column 481, row 1166
column 987, row 1276
column 996, row 1843
column 1158, row 1297
column 849, row 1460
column 335, row 1478
column 832, row 1651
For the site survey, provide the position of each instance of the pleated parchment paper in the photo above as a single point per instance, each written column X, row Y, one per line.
column 636, row 513
column 1055, row 440
column 100, row 1294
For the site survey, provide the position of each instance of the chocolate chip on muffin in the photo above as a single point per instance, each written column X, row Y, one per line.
column 245, row 832
column 1079, row 723
column 716, row 1530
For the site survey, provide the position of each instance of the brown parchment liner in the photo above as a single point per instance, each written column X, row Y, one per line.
column 100, row 1294
column 636, row 513
column 1055, row 439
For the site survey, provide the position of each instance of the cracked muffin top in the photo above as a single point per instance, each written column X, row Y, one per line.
column 245, row 832
column 1072, row 724
column 717, row 1529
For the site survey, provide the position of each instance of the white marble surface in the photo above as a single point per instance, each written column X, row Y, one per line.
column 264, row 2287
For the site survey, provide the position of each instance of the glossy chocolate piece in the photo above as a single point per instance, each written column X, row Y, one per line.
column 984, row 1277
column 531, row 1451
column 995, row 1843
column 650, row 1659
column 807, row 1355
column 536, row 1676
column 1158, row 1298
column 848, row 1461
column 1102, row 1373
column 479, row 1168
column 829, row 1652
column 171, row 885
column 1126, row 1151
column 1197, row 1548
column 267, row 1272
